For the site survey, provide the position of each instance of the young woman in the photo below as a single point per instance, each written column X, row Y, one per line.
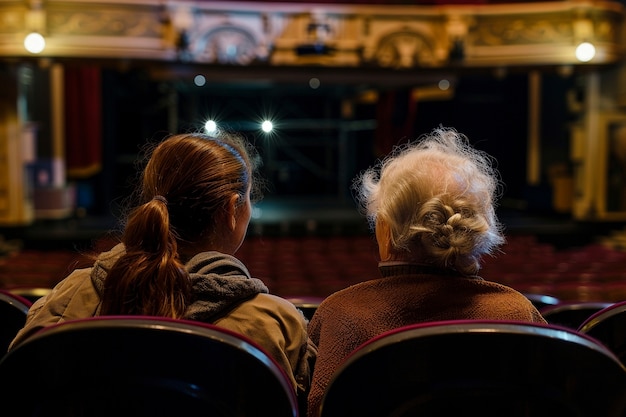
column 176, row 258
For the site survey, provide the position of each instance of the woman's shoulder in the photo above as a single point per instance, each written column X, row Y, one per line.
column 76, row 279
column 505, row 295
column 500, row 287
column 264, row 306
column 77, row 288
column 274, row 301
column 357, row 300
column 264, row 311
column 368, row 288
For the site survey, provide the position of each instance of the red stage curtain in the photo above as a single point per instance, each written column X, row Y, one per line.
column 83, row 121
column 395, row 117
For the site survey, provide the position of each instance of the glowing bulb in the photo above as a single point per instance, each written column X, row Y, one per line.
column 444, row 85
column 199, row 80
column 34, row 43
column 314, row 83
column 585, row 52
column 210, row 126
column 267, row 126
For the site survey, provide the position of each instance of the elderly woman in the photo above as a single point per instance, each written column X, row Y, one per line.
column 431, row 203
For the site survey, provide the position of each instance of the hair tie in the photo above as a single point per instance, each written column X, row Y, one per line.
column 160, row 198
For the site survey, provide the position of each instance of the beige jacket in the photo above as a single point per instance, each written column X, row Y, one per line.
column 230, row 299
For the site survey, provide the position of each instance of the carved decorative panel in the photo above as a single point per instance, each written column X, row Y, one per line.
column 301, row 34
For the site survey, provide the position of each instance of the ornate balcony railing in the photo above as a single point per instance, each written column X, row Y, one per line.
column 331, row 35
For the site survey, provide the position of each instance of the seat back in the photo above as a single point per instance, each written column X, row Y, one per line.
column 31, row 293
column 572, row 314
column 308, row 305
column 13, row 310
column 478, row 368
column 609, row 327
column 142, row 366
column 541, row 300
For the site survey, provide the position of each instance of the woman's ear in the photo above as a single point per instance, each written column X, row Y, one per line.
column 383, row 237
column 231, row 218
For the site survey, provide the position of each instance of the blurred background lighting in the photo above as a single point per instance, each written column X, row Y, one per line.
column 256, row 213
column 444, row 85
column 585, row 52
column 314, row 83
column 267, row 126
column 199, row 80
column 34, row 43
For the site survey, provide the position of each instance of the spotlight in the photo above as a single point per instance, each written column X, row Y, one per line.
column 585, row 51
column 267, row 126
column 199, row 80
column 210, row 126
column 314, row 83
column 34, row 43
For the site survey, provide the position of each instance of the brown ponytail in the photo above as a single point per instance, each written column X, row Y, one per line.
column 148, row 279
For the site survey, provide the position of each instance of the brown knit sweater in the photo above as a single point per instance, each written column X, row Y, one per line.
column 405, row 295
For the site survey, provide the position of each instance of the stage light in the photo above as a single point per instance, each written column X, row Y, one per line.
column 314, row 83
column 210, row 126
column 199, row 80
column 267, row 126
column 585, row 51
column 34, row 43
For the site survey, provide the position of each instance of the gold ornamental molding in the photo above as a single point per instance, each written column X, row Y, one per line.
column 232, row 33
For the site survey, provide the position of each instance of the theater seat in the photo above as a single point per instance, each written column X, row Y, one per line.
column 13, row 310
column 609, row 327
column 572, row 314
column 308, row 305
column 142, row 366
column 482, row 368
column 542, row 300
column 30, row 293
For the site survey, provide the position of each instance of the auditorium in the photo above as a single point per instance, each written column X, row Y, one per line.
column 322, row 91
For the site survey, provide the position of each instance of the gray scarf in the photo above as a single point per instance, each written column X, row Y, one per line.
column 220, row 282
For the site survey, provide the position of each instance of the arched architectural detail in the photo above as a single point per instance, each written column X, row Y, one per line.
column 226, row 44
column 405, row 48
